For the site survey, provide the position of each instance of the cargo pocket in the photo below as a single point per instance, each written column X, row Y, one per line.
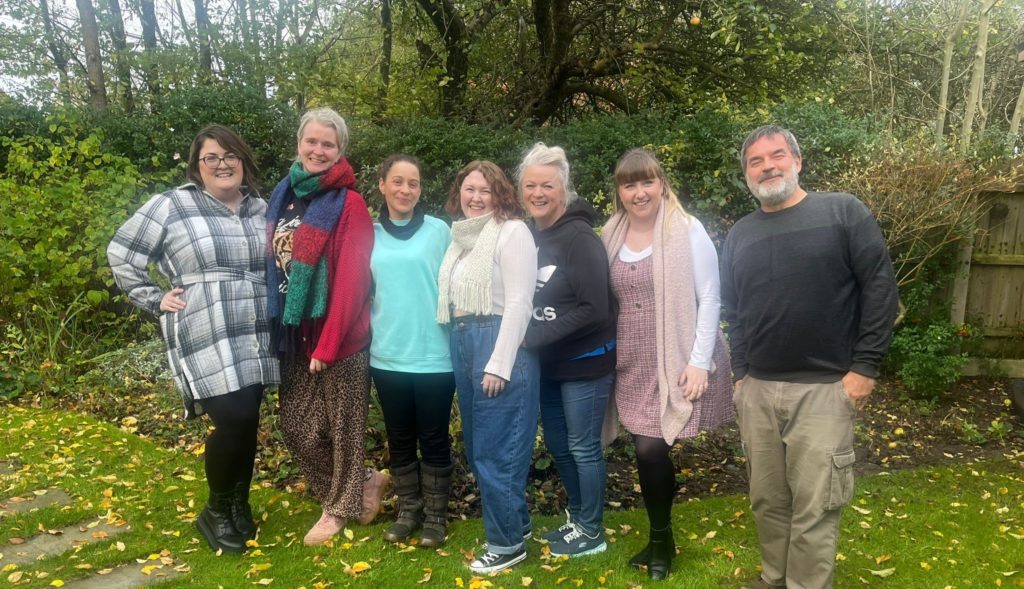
column 841, row 486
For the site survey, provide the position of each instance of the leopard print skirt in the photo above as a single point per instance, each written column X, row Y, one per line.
column 323, row 420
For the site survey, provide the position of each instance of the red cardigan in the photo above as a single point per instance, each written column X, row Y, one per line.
column 345, row 326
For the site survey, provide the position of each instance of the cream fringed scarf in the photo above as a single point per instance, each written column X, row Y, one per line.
column 675, row 308
column 472, row 292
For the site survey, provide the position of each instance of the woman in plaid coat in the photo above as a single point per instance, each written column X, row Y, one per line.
column 208, row 238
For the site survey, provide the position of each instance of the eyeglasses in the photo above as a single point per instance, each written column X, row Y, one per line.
column 213, row 161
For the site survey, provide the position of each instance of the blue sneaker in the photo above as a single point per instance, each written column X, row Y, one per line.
column 560, row 532
column 579, row 543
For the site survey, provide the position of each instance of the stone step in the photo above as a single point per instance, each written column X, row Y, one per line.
column 129, row 576
column 36, row 500
column 65, row 539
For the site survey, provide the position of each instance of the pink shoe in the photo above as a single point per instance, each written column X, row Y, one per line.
column 324, row 529
column 374, row 490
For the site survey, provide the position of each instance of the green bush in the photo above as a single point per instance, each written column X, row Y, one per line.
column 61, row 199
column 928, row 357
column 159, row 141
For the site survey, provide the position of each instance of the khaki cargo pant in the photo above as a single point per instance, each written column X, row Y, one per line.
column 798, row 441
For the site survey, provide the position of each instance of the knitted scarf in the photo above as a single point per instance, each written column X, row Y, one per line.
column 675, row 307
column 472, row 293
column 307, row 280
column 402, row 232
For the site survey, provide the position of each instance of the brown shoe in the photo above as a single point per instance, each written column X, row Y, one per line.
column 374, row 489
column 324, row 529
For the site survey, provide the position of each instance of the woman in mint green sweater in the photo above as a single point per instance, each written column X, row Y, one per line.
column 409, row 356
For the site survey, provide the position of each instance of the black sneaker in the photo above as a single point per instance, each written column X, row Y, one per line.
column 579, row 543
column 560, row 532
column 492, row 563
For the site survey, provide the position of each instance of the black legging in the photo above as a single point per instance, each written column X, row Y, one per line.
column 416, row 408
column 231, row 446
column 657, row 479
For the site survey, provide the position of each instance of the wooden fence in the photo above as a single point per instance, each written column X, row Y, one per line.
column 989, row 287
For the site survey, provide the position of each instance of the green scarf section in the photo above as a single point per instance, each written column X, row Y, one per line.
column 304, row 183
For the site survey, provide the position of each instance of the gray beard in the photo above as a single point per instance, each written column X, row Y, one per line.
column 771, row 196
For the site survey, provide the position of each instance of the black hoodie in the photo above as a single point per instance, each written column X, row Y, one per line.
column 574, row 311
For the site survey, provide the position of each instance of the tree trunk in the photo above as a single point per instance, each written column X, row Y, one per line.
column 253, row 53
column 1018, row 114
column 451, row 27
column 121, row 55
column 947, row 64
column 385, row 61
column 203, row 30
column 149, row 34
column 977, row 77
column 93, row 61
column 60, row 59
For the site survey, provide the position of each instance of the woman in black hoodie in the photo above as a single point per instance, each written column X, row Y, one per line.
column 573, row 331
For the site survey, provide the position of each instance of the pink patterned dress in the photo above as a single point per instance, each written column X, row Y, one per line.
column 636, row 380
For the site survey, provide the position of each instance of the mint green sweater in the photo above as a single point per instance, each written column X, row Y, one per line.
column 406, row 337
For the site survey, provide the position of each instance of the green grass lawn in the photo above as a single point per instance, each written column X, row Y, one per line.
column 961, row 526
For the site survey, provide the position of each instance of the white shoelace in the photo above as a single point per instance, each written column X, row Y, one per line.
column 488, row 558
column 575, row 534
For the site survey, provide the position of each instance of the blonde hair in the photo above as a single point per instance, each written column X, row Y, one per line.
column 640, row 164
column 554, row 156
column 328, row 118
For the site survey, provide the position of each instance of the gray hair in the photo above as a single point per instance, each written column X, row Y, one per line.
column 542, row 155
column 328, row 118
column 768, row 131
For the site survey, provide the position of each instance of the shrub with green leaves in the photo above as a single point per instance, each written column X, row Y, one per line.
column 61, row 198
column 928, row 357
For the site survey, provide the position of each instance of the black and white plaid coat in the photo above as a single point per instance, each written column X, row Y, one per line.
column 220, row 341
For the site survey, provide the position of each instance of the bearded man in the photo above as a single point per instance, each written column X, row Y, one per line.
column 810, row 297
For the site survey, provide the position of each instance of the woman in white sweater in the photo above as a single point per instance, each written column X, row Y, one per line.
column 486, row 285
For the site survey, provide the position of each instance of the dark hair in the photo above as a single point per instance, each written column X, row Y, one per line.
column 391, row 160
column 232, row 143
column 768, row 131
column 506, row 204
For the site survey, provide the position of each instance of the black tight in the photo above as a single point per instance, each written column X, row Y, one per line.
column 657, row 479
column 231, row 446
column 417, row 408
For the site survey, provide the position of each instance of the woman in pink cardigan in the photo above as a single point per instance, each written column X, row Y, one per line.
column 672, row 372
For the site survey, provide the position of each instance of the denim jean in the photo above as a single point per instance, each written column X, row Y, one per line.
column 572, row 414
column 498, row 432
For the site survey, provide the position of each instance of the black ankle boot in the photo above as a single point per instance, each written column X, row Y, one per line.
column 663, row 550
column 241, row 512
column 216, row 526
column 642, row 558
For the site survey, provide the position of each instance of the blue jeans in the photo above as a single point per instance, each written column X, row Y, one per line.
column 572, row 414
column 498, row 432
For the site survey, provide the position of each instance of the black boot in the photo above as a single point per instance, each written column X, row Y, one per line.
column 642, row 558
column 436, row 484
column 216, row 526
column 410, row 503
column 241, row 512
column 663, row 550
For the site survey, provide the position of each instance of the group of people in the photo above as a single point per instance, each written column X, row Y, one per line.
column 521, row 308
